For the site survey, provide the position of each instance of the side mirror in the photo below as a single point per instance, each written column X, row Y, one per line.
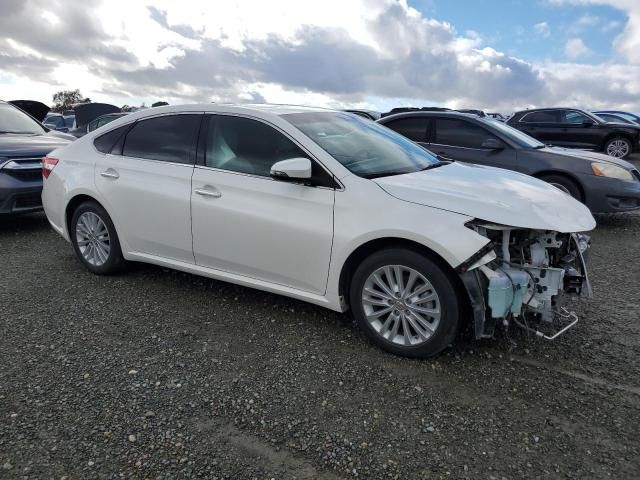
column 292, row 169
column 588, row 123
column 492, row 144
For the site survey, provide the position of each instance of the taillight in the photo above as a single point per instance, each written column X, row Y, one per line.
column 47, row 165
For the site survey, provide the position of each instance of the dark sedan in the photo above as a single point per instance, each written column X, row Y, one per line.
column 573, row 128
column 603, row 183
column 23, row 143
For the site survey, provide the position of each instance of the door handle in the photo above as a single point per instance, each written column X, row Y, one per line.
column 110, row 173
column 208, row 192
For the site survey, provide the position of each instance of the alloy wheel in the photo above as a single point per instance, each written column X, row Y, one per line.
column 92, row 237
column 401, row 305
column 618, row 148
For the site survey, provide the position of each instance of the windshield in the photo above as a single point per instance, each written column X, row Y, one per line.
column 516, row 135
column 13, row 120
column 366, row 148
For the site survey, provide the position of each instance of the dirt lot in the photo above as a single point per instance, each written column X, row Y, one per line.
column 158, row 374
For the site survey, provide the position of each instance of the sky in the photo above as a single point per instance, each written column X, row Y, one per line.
column 497, row 55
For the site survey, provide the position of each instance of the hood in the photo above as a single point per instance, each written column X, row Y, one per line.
column 30, row 145
column 588, row 155
column 492, row 194
column 86, row 112
column 37, row 110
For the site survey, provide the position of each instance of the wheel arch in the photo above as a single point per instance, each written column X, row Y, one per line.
column 615, row 134
column 73, row 203
column 562, row 173
column 366, row 249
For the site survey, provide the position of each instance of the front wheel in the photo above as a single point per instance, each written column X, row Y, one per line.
column 618, row 147
column 405, row 303
column 95, row 240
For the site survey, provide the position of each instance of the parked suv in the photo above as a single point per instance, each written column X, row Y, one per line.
column 573, row 128
column 603, row 183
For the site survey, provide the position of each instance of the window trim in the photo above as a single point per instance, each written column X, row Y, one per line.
column 201, row 160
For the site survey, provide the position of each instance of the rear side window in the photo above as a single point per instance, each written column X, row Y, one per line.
column 573, row 117
column 105, row 143
column 170, row 138
column 414, row 128
column 460, row 133
column 543, row 116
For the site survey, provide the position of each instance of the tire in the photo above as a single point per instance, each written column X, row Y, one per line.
column 618, row 147
column 411, row 338
column 95, row 240
column 565, row 184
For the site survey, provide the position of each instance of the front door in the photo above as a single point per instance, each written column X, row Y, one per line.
column 247, row 223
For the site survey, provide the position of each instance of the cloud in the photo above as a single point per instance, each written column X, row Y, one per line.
column 543, row 29
column 575, row 48
column 373, row 53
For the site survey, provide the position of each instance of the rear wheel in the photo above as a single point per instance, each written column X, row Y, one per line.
column 405, row 303
column 95, row 240
column 618, row 147
column 565, row 184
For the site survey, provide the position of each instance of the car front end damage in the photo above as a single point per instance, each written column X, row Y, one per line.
column 524, row 277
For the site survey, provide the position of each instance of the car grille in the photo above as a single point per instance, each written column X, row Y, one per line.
column 28, row 169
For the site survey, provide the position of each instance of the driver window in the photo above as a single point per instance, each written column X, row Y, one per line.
column 573, row 117
column 246, row 146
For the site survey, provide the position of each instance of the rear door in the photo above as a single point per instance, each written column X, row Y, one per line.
column 146, row 185
column 462, row 140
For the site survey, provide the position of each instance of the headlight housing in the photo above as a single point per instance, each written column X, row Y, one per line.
column 611, row 171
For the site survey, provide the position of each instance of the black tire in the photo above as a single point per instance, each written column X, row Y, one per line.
column 115, row 261
column 449, row 302
column 605, row 148
column 565, row 184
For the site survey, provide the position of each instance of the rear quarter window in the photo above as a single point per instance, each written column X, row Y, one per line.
column 110, row 142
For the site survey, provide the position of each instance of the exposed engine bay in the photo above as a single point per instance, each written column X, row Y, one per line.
column 523, row 277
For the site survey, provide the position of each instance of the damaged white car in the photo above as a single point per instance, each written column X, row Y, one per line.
column 325, row 207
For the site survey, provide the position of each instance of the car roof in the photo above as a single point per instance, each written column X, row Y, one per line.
column 448, row 113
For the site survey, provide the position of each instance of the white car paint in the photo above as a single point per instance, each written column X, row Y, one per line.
column 288, row 238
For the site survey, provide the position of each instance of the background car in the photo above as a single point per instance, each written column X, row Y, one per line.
column 97, row 123
column 23, row 143
column 369, row 114
column 59, row 122
column 628, row 117
column 37, row 110
column 613, row 118
column 85, row 113
column 573, row 128
column 603, row 183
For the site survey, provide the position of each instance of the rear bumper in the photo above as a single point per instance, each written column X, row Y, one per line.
column 609, row 195
column 19, row 195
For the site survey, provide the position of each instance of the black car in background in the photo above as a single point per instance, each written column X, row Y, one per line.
column 573, row 128
column 627, row 116
column 23, row 143
column 603, row 183
column 368, row 114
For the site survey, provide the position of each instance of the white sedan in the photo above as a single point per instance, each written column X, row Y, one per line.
column 325, row 207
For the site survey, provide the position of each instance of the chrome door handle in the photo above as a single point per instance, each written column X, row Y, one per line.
column 110, row 174
column 208, row 193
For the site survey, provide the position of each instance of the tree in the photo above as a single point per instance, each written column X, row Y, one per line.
column 159, row 104
column 65, row 98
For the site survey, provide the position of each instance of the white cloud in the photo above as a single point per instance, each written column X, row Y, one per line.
column 543, row 29
column 374, row 53
column 575, row 48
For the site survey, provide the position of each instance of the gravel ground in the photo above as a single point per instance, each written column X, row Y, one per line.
column 159, row 374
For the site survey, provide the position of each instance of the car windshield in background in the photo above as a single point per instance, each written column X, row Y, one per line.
column 516, row 135
column 367, row 149
column 13, row 120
